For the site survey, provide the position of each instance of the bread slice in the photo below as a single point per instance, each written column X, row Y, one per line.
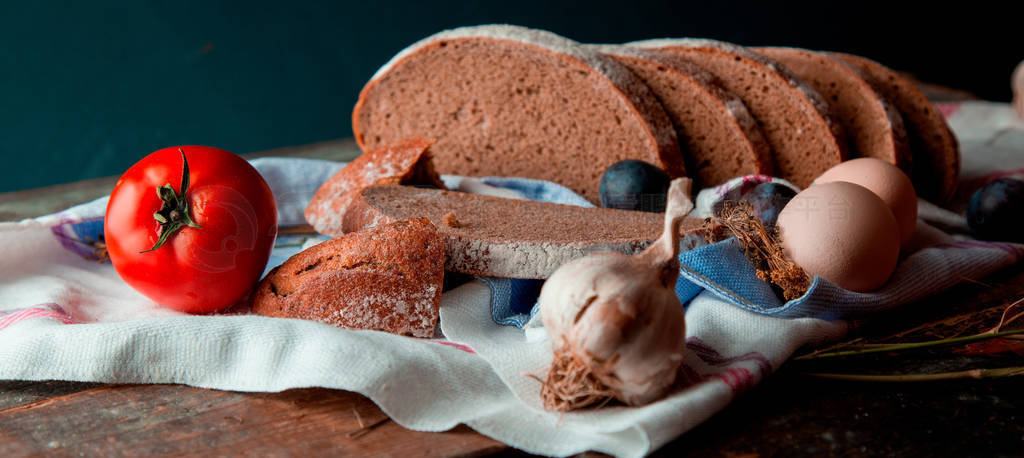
column 406, row 161
column 934, row 147
column 485, row 235
column 510, row 101
column 873, row 126
column 795, row 119
column 388, row 278
column 719, row 138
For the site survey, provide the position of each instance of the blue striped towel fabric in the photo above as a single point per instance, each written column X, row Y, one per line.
column 723, row 269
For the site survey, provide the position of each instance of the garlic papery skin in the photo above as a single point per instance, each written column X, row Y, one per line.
column 616, row 326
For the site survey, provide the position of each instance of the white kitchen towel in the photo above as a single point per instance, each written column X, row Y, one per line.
column 63, row 316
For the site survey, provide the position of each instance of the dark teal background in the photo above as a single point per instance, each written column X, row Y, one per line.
column 88, row 88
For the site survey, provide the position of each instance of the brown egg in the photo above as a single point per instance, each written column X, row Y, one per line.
column 842, row 232
column 885, row 180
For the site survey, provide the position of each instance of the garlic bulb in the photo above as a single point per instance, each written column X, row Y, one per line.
column 615, row 323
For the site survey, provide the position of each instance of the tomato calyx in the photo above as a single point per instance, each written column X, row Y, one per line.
column 174, row 213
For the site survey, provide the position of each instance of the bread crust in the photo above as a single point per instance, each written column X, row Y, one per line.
column 873, row 125
column 388, row 278
column 402, row 162
column 800, row 154
column 719, row 139
column 935, row 150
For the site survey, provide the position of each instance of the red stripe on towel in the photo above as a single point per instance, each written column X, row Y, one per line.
column 34, row 312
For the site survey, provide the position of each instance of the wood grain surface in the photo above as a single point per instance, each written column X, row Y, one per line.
column 177, row 420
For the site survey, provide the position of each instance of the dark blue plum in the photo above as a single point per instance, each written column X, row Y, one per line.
column 996, row 211
column 634, row 185
column 768, row 200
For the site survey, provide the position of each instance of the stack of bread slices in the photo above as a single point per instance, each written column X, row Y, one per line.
column 510, row 101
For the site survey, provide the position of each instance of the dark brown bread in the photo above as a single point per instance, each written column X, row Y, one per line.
column 406, row 161
column 795, row 119
column 486, row 235
column 512, row 101
column 387, row 278
column 718, row 136
column 873, row 125
column 934, row 146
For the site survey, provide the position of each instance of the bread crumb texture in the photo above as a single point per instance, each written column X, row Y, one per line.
column 509, row 101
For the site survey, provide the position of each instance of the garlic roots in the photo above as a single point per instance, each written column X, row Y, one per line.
column 616, row 326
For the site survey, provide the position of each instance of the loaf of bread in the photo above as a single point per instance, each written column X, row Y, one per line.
column 511, row 101
column 485, row 235
column 718, row 136
column 936, row 153
column 388, row 278
column 804, row 138
column 873, row 125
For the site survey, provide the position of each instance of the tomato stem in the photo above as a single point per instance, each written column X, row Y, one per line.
column 174, row 213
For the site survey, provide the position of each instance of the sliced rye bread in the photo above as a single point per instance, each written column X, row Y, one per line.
column 795, row 119
column 935, row 149
column 872, row 125
column 485, row 235
column 406, row 161
column 511, row 101
column 719, row 138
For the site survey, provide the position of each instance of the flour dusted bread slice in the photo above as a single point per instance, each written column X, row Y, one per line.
column 934, row 147
column 718, row 136
column 804, row 138
column 873, row 126
column 406, row 161
column 511, row 101
column 388, row 278
column 485, row 235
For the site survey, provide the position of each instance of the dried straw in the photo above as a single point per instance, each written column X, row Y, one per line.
column 760, row 245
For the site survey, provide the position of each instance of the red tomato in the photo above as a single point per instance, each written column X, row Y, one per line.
column 220, row 230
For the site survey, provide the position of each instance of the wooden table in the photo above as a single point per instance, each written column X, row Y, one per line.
column 790, row 413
